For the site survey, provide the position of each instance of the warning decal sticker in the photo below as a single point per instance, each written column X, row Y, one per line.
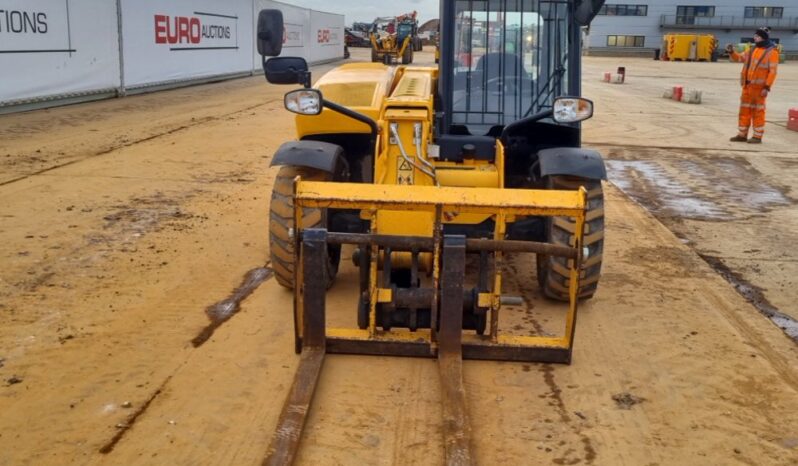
column 404, row 172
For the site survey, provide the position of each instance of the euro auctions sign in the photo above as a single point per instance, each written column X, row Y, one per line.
column 200, row 30
column 174, row 40
column 35, row 27
column 328, row 36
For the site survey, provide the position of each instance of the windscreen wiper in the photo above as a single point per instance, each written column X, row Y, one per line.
column 558, row 73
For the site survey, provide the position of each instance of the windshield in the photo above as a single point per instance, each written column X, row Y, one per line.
column 404, row 30
column 510, row 60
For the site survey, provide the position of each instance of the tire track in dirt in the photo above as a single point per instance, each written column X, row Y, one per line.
column 219, row 313
column 131, row 420
column 117, row 147
column 554, row 394
column 556, row 401
column 754, row 295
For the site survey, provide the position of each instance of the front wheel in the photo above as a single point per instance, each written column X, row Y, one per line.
column 554, row 272
column 281, row 221
column 407, row 56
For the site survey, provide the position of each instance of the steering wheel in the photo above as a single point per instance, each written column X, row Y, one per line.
column 506, row 85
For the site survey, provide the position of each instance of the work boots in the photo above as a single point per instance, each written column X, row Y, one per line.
column 739, row 138
column 755, row 141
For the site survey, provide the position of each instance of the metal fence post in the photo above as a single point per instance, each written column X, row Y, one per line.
column 121, row 90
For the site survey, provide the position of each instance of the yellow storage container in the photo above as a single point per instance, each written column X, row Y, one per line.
column 689, row 47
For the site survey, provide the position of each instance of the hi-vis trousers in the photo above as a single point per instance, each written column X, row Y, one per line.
column 752, row 110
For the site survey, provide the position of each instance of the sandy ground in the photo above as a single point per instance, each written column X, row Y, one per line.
column 733, row 203
column 123, row 222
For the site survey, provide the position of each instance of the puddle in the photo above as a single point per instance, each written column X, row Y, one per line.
column 714, row 189
column 222, row 311
column 755, row 296
column 650, row 184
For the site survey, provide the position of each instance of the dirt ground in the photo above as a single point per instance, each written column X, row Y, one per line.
column 125, row 223
column 733, row 203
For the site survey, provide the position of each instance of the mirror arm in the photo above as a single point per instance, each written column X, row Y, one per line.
column 305, row 79
column 524, row 121
column 355, row 116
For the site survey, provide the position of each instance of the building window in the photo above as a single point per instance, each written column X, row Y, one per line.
column 626, row 41
column 688, row 14
column 624, row 10
column 764, row 12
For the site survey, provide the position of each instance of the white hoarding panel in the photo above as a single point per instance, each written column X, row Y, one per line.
column 56, row 47
column 327, row 36
column 171, row 40
column 296, row 37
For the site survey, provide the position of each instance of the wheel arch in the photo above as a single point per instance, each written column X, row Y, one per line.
column 319, row 155
column 572, row 161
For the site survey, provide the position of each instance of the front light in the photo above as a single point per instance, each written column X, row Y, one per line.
column 304, row 101
column 572, row 109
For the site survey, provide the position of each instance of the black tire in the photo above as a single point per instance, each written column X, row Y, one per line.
column 407, row 56
column 553, row 272
column 281, row 219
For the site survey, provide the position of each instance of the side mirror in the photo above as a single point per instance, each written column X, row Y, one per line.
column 270, row 33
column 571, row 109
column 304, row 101
column 287, row 70
column 586, row 10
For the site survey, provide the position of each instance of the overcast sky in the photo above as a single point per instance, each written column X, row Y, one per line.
column 367, row 10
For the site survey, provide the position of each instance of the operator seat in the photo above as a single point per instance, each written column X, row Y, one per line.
column 478, row 100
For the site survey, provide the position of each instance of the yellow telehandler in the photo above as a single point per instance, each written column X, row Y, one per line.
column 395, row 39
column 434, row 176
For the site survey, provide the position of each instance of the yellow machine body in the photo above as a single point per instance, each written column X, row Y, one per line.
column 402, row 96
column 390, row 45
column 362, row 87
column 413, row 194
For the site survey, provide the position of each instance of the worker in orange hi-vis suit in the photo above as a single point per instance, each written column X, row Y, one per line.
column 758, row 75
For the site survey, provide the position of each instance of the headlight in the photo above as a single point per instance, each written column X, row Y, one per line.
column 572, row 109
column 304, row 101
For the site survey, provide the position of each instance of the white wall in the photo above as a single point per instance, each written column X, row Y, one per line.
column 326, row 36
column 55, row 49
column 312, row 35
column 184, row 39
column 52, row 47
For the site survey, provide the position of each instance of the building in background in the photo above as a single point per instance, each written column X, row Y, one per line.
column 636, row 27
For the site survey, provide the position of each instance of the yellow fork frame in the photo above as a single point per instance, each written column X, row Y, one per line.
column 501, row 203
